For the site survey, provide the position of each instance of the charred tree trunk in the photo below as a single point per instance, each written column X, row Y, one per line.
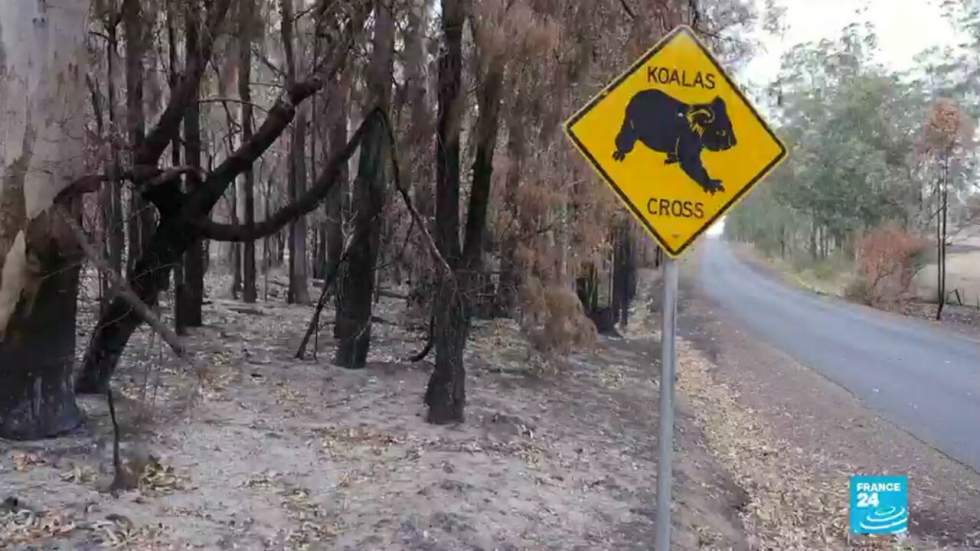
column 353, row 322
column 175, row 152
column 624, row 275
column 190, row 289
column 39, row 259
column 446, row 391
column 235, row 249
column 941, row 233
column 184, row 216
column 479, row 288
column 38, row 347
column 246, row 23
column 299, row 292
column 141, row 218
column 335, row 200
column 112, row 202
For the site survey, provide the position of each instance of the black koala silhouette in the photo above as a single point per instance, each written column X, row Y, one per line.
column 670, row 126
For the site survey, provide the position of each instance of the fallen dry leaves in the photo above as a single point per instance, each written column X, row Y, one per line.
column 20, row 525
column 793, row 504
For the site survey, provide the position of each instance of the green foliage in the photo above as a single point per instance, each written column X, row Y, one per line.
column 854, row 131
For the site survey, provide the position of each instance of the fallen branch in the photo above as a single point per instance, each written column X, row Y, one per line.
column 120, row 287
column 396, row 175
column 327, row 283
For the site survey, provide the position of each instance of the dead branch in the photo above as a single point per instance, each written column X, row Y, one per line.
column 143, row 177
column 419, row 221
column 305, row 204
column 430, row 339
column 627, row 9
column 235, row 101
column 168, row 124
column 120, row 287
column 327, row 283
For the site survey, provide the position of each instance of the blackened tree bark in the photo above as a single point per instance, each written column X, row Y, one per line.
column 941, row 221
column 38, row 349
column 175, row 154
column 189, row 295
column 111, row 194
column 339, row 114
column 174, row 236
column 141, row 220
column 446, row 391
column 478, row 286
column 624, row 274
column 245, row 25
column 235, row 250
column 357, row 280
column 299, row 292
column 39, row 261
column 182, row 213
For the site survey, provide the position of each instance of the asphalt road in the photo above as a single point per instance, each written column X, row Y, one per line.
column 923, row 379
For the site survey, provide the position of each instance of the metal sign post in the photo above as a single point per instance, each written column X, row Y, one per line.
column 668, row 367
column 680, row 144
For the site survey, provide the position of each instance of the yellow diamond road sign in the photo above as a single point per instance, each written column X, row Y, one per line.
column 676, row 139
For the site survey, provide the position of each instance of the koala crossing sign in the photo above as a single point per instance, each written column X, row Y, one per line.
column 676, row 139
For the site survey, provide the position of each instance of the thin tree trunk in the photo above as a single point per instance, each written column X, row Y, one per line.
column 446, row 391
column 299, row 292
column 175, row 148
column 190, row 291
column 509, row 281
column 417, row 142
column 334, row 204
column 140, row 212
column 941, row 224
column 246, row 24
column 112, row 207
column 235, row 249
column 623, row 274
column 353, row 321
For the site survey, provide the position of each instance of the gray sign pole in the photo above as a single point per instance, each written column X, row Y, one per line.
column 668, row 366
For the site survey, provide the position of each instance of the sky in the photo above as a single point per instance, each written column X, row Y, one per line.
column 904, row 28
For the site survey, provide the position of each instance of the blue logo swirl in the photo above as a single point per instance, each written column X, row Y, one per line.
column 886, row 520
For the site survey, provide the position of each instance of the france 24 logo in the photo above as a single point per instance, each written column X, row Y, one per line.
column 879, row 504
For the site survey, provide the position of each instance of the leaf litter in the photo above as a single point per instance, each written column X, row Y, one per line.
column 288, row 454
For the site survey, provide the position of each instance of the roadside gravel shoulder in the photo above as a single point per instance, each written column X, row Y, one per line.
column 816, row 435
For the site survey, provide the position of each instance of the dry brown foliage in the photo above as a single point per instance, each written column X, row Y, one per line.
column 886, row 265
column 554, row 319
column 947, row 127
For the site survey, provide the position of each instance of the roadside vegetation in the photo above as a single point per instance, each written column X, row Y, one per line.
column 882, row 177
